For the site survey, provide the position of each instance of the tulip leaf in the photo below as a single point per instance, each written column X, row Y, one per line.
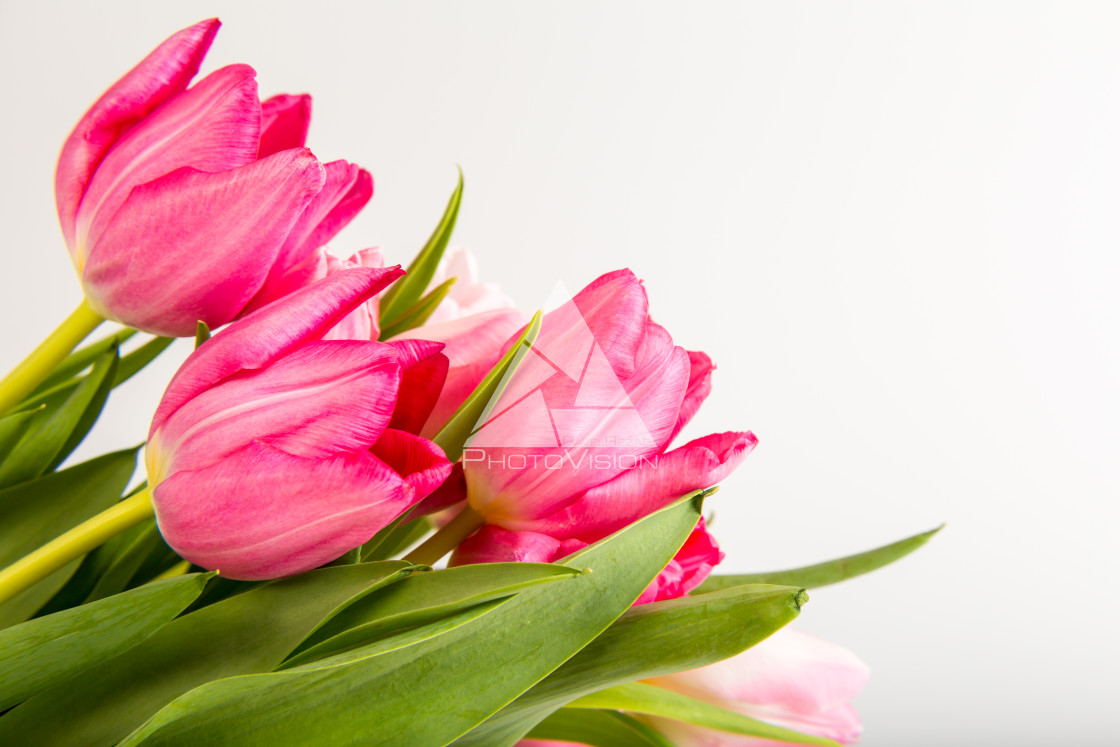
column 56, row 432
column 396, row 538
column 247, row 633
column 598, row 729
column 82, row 359
column 421, row 599
column 34, row 513
column 419, row 312
column 408, row 290
column 43, row 652
column 13, row 427
column 649, row 641
column 115, row 578
column 474, row 410
column 201, row 333
column 648, row 700
column 428, row 690
column 829, row 572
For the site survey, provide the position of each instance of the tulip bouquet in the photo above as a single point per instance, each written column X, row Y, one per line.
column 378, row 507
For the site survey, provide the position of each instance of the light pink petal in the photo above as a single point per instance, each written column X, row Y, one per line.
column 322, row 399
column 492, row 544
column 163, row 73
column 285, row 120
column 424, row 369
column 418, row 461
column 651, row 485
column 195, row 246
column 547, row 743
column 450, row 492
column 791, row 679
column 362, row 323
column 214, row 126
column 699, row 387
column 262, row 513
column 615, row 308
column 267, row 334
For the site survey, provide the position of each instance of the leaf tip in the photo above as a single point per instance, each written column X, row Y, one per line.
column 800, row 599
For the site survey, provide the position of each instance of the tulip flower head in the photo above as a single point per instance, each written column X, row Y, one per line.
column 181, row 204
column 275, row 450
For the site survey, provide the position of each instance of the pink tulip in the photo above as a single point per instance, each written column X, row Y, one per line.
column 275, row 450
column 470, row 294
column 791, row 679
column 687, row 570
column 575, row 447
column 179, row 204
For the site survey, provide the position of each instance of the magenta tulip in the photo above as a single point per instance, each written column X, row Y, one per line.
column 275, row 450
column 181, row 204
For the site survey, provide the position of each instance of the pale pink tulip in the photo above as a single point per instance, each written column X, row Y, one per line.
column 469, row 294
column 791, row 680
column 177, row 204
column 275, row 450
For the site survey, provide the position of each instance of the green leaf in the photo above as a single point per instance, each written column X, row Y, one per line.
column 201, row 334
column 250, row 632
column 829, row 572
column 598, row 729
column 82, row 359
column 421, row 599
column 43, row 652
column 428, row 691
column 396, row 538
column 474, row 410
column 648, row 700
column 115, row 578
column 12, row 428
column 34, row 513
column 649, row 641
column 419, row 312
column 408, row 290
column 57, row 432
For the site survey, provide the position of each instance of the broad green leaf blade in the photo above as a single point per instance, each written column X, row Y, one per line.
column 460, row 426
column 648, row 700
column 598, row 729
column 43, row 652
column 138, row 359
column 251, row 632
column 408, row 290
column 12, row 428
column 117, row 575
column 33, row 513
column 396, row 538
column 422, row 599
column 82, row 359
column 419, row 312
column 57, row 432
column 428, row 693
column 648, row 641
column 829, row 572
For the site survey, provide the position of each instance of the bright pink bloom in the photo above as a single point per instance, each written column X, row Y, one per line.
column 177, row 204
column 575, row 446
column 687, row 570
column 275, row 450
column 791, row 679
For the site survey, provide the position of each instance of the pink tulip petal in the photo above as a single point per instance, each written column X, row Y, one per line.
column 205, row 241
column 267, row 334
column 699, row 387
column 450, row 492
column 214, row 126
column 262, row 513
column 362, row 323
column 285, row 120
column 322, row 399
column 418, row 461
column 424, row 369
column 163, row 73
column 492, row 544
column 644, row 489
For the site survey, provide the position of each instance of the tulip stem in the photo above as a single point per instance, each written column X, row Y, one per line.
column 447, row 538
column 88, row 535
column 37, row 366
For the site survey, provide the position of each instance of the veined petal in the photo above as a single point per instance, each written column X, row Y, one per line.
column 322, row 399
column 285, row 120
column 450, row 492
column 267, row 334
column 362, row 323
column 651, row 485
column 492, row 544
column 214, row 126
column 424, row 369
column 262, row 513
column 166, row 71
column 419, row 462
column 204, row 241
column 699, row 387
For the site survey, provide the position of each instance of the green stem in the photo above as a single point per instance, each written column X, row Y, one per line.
column 88, row 535
column 447, row 538
column 34, row 368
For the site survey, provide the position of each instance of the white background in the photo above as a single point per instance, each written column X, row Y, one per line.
column 893, row 225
